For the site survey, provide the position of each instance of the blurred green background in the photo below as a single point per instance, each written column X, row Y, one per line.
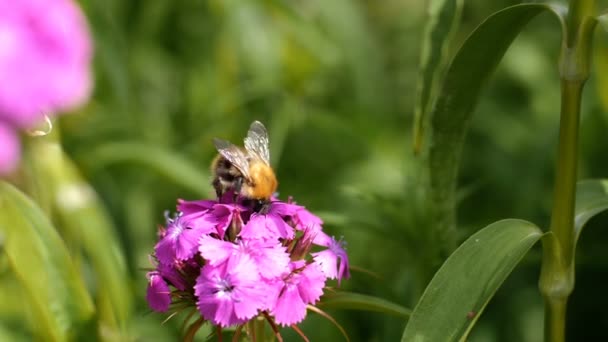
column 334, row 82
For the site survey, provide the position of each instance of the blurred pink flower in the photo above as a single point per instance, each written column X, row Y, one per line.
column 45, row 54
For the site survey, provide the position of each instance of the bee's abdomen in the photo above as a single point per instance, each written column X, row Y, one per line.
column 225, row 170
column 226, row 176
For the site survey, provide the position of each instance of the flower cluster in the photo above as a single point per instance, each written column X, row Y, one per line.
column 234, row 263
column 45, row 55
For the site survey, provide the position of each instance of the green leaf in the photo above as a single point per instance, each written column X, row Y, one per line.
column 603, row 21
column 37, row 255
column 167, row 163
column 442, row 20
column 591, row 199
column 601, row 70
column 352, row 35
column 468, row 279
column 357, row 301
column 467, row 74
column 85, row 223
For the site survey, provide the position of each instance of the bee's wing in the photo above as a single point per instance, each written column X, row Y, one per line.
column 256, row 141
column 233, row 154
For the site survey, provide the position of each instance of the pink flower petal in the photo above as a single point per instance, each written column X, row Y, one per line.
column 311, row 283
column 290, row 308
column 158, row 294
column 230, row 293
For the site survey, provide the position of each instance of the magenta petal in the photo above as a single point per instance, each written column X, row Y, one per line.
column 165, row 250
column 10, row 149
column 255, row 228
column 277, row 224
column 272, row 261
column 215, row 251
column 206, row 222
column 169, row 273
column 267, row 227
column 328, row 263
column 322, row 239
column 311, row 283
column 225, row 314
column 283, row 209
column 334, row 260
column 305, row 219
column 225, row 214
column 189, row 207
column 187, row 243
column 290, row 308
column 158, row 294
column 231, row 292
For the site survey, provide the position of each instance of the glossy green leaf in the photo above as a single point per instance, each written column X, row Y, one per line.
column 467, row 74
column 38, row 256
column 84, row 221
column 442, row 20
column 591, row 199
column 166, row 163
column 357, row 301
column 468, row 279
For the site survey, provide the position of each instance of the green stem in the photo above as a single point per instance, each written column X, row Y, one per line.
column 562, row 216
column 557, row 271
column 555, row 319
column 257, row 330
column 578, row 12
column 260, row 326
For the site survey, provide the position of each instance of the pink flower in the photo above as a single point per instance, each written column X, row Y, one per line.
column 159, row 295
column 230, row 293
column 180, row 241
column 45, row 54
column 236, row 264
column 302, row 286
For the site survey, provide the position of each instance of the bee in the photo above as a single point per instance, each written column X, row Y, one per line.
column 246, row 172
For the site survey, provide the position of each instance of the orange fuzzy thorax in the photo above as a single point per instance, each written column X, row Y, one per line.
column 263, row 181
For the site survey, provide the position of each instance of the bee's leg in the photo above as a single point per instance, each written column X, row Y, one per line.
column 238, row 184
column 261, row 206
column 217, row 185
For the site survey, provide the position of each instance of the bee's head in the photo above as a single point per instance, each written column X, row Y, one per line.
column 261, row 206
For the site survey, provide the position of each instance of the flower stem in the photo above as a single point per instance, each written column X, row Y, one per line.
column 557, row 271
column 260, row 326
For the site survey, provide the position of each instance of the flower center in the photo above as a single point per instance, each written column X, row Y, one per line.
column 176, row 231
column 224, row 286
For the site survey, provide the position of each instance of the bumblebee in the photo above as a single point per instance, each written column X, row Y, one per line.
column 246, row 172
